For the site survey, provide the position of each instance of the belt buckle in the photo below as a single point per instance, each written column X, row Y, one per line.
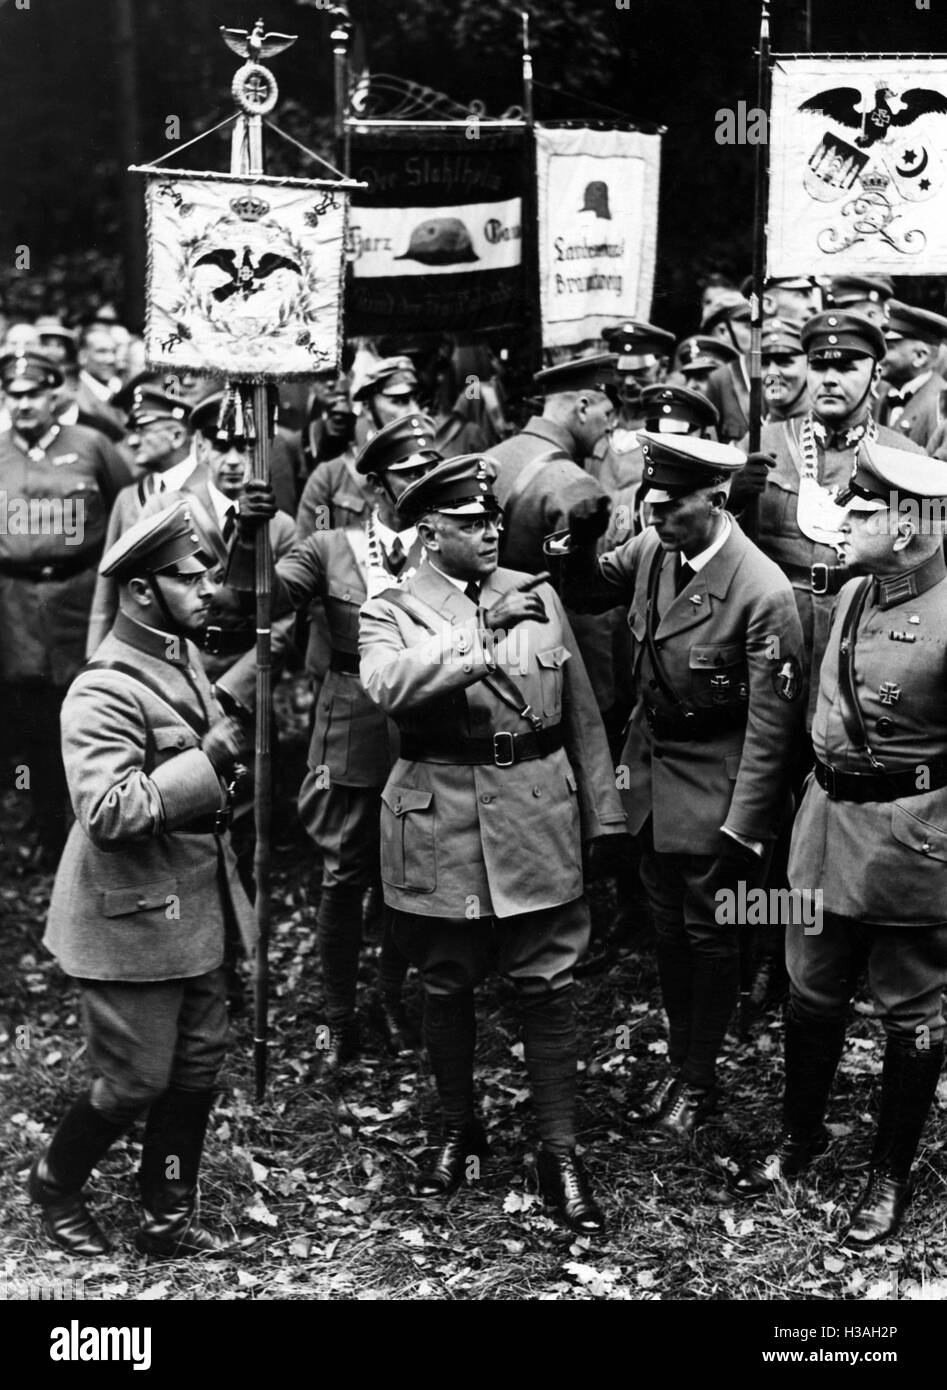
column 47, row 572
column 830, row 786
column 820, row 579
column 506, row 762
column 212, row 636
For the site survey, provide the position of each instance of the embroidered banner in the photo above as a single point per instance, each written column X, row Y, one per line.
column 435, row 242
column 598, row 227
column 858, row 159
column 244, row 275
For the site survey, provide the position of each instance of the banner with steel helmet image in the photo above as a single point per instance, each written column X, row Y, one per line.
column 435, row 242
column 598, row 229
column 858, row 166
column 244, row 274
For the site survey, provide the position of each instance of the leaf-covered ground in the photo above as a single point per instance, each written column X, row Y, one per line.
column 315, row 1181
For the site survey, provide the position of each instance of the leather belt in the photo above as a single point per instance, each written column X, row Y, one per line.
column 686, row 727
column 216, row 824
column 346, row 662
column 225, row 641
column 879, row 786
column 503, row 749
column 44, row 574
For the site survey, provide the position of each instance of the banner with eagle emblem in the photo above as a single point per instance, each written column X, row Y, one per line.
column 858, row 166
column 244, row 275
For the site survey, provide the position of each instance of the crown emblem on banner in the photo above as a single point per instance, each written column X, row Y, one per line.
column 876, row 181
column 249, row 208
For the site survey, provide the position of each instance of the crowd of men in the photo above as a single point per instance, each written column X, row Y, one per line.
column 613, row 640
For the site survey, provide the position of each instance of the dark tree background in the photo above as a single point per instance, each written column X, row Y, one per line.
column 674, row 62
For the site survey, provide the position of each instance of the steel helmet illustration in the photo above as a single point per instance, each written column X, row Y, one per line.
column 596, row 199
column 440, row 241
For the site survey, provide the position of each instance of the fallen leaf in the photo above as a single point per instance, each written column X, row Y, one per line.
column 260, row 1212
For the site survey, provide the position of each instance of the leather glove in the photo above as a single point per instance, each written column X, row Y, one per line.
column 225, row 744
column 734, row 864
column 750, row 481
column 256, row 507
column 588, row 520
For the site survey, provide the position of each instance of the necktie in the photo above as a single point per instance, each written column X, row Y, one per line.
column 230, row 522
column 396, row 556
column 682, row 575
column 472, row 591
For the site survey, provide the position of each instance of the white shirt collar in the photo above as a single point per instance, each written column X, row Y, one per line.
column 222, row 504
column 698, row 562
column 174, row 478
column 387, row 536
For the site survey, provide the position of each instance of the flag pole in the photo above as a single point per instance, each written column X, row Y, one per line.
column 759, row 255
column 748, row 519
column 255, row 93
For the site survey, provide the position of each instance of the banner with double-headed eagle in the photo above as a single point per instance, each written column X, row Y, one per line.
column 244, row 275
column 858, row 166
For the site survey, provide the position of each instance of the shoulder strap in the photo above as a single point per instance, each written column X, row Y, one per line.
column 521, row 482
column 152, row 686
column 852, row 716
column 651, row 623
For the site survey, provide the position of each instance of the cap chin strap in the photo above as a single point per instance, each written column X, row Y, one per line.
column 173, row 625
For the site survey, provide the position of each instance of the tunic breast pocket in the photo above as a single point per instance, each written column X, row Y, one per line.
column 718, row 674
column 171, row 740
column 551, row 663
column 408, row 839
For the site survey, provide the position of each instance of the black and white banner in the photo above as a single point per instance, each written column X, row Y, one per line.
column 435, row 243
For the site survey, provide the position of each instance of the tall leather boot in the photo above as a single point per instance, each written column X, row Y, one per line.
column 393, row 966
column 812, row 1052
column 908, row 1082
column 676, row 973
column 714, row 988
column 55, row 1182
column 170, row 1162
column 339, row 931
column 551, row 1053
column 450, row 1034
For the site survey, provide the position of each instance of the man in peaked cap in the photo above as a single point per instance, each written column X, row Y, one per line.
column 335, row 494
column 699, row 355
column 791, row 297
column 664, row 409
column 504, row 770
column 349, row 754
column 139, row 904
column 643, row 352
column 868, row 846
column 783, row 361
column 708, row 750
column 538, row 471
column 912, row 401
column 805, row 459
column 867, row 295
column 57, row 483
column 729, row 386
column 161, row 444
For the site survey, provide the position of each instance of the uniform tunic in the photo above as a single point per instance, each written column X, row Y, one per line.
column 139, row 784
column 920, row 415
column 43, row 621
column 779, row 535
column 880, row 867
column 731, row 638
column 507, row 839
